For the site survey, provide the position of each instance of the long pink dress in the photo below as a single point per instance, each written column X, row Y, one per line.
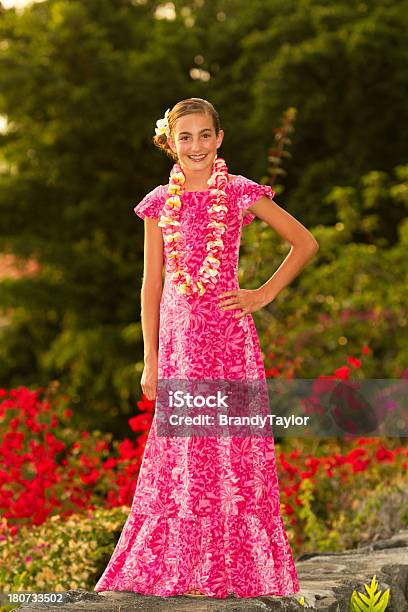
column 206, row 511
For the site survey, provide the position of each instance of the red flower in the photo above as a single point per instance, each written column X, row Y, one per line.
column 383, row 454
column 140, row 422
column 109, row 464
column 127, row 450
column 354, row 362
column 90, row 478
column 343, row 372
column 289, row 509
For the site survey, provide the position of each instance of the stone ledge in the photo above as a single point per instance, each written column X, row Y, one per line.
column 327, row 581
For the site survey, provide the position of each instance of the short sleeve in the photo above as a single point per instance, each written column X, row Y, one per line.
column 152, row 204
column 249, row 193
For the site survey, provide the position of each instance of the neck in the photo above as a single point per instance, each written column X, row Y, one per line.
column 197, row 180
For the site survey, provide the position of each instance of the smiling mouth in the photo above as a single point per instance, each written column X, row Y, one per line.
column 198, row 157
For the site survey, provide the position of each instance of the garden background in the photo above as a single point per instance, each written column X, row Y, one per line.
column 312, row 96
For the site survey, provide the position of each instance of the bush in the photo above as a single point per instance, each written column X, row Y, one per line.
column 61, row 554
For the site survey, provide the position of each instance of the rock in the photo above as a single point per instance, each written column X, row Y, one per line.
column 327, row 581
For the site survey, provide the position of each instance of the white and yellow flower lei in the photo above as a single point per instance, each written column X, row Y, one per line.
column 174, row 244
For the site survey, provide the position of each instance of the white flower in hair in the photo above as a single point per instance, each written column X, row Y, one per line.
column 162, row 125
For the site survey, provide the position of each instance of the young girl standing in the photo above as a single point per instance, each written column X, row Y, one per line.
column 205, row 518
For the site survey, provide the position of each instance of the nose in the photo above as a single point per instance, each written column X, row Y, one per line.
column 197, row 147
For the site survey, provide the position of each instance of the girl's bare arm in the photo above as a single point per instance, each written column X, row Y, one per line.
column 304, row 247
column 152, row 287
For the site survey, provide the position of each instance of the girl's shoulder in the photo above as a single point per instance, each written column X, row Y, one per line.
column 248, row 192
column 247, row 187
column 152, row 203
column 240, row 183
column 236, row 184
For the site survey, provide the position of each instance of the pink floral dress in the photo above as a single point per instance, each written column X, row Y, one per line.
column 206, row 511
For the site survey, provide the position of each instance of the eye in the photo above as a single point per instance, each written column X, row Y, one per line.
column 207, row 135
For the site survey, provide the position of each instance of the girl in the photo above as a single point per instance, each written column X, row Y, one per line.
column 205, row 518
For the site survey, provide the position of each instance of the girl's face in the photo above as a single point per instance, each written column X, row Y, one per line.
column 195, row 137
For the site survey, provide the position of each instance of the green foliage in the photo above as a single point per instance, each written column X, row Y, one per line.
column 357, row 517
column 354, row 294
column 336, row 496
column 373, row 513
column 61, row 555
column 317, row 535
column 343, row 66
column 375, row 602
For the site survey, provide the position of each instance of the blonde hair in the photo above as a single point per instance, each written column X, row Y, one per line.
column 185, row 107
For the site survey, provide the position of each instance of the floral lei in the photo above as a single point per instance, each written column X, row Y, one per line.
column 174, row 244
